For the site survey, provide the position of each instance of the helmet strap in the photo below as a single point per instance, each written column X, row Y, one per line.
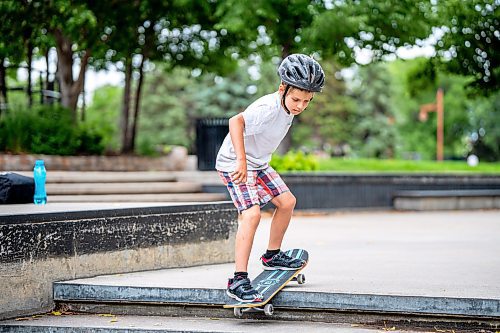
column 283, row 98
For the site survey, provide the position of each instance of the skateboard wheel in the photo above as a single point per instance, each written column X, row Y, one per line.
column 301, row 279
column 269, row 309
column 238, row 312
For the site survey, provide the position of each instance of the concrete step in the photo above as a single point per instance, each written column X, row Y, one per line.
column 160, row 197
column 105, row 176
column 447, row 200
column 76, row 323
column 122, row 188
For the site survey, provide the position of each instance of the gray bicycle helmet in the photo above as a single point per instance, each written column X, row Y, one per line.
column 303, row 72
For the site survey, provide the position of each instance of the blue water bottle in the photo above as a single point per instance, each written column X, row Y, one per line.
column 40, row 175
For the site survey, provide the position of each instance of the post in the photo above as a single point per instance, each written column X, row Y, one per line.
column 437, row 107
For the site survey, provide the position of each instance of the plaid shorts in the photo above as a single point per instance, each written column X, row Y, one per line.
column 261, row 187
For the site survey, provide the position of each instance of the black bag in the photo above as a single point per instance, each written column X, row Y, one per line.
column 16, row 189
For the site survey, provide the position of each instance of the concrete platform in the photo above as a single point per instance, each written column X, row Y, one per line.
column 71, row 207
column 435, row 263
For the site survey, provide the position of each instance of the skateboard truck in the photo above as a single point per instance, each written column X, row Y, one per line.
column 268, row 310
column 301, row 279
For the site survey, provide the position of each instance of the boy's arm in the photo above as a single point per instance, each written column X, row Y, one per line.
column 236, row 129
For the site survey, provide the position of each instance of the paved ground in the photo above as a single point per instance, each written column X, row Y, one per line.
column 439, row 254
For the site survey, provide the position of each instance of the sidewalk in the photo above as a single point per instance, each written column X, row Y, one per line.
column 398, row 262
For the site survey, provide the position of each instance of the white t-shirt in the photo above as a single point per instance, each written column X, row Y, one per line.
column 266, row 124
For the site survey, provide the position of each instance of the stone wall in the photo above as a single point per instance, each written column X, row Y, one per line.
column 175, row 161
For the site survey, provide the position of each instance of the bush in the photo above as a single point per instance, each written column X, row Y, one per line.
column 294, row 161
column 47, row 130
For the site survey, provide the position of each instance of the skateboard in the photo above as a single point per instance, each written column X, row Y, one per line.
column 269, row 283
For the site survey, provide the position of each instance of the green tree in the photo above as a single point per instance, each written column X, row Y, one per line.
column 176, row 34
column 380, row 26
column 484, row 132
column 332, row 29
column 102, row 115
column 20, row 33
column 328, row 123
column 75, row 29
column 374, row 134
column 471, row 41
column 171, row 107
column 416, row 137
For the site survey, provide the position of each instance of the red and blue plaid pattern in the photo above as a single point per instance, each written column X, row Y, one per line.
column 261, row 187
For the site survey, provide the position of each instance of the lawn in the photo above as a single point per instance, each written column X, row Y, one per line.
column 375, row 165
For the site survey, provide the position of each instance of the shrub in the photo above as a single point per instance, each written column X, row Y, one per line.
column 294, row 161
column 47, row 130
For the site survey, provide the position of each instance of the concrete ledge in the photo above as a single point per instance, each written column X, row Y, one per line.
column 105, row 176
column 421, row 305
column 40, row 248
column 447, row 200
column 122, row 188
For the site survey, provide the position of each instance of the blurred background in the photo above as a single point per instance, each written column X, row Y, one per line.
column 135, row 77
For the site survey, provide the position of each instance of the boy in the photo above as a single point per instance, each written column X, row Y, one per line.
column 243, row 165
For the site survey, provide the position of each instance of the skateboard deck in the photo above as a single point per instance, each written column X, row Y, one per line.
column 269, row 283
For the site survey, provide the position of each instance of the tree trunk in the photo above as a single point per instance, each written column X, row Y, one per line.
column 46, row 83
column 137, row 106
column 3, row 86
column 47, row 66
column 82, row 111
column 126, row 105
column 29, row 89
column 70, row 89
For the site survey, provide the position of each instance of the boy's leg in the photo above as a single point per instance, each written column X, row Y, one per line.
column 285, row 203
column 248, row 223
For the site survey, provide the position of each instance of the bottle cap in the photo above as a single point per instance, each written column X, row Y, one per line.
column 39, row 162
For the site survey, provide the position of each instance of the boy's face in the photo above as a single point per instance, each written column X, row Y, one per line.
column 296, row 100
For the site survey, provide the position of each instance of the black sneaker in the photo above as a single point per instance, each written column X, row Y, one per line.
column 242, row 290
column 282, row 261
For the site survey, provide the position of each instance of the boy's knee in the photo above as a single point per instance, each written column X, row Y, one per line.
column 292, row 201
column 286, row 201
column 252, row 214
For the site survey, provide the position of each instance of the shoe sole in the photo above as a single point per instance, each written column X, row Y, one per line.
column 267, row 268
column 233, row 296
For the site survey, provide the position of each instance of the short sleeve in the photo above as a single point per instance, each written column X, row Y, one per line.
column 256, row 118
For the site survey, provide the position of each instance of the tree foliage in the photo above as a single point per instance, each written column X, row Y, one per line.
column 471, row 40
column 374, row 133
column 346, row 27
column 230, row 37
column 328, row 122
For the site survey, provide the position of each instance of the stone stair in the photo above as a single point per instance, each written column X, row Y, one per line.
column 151, row 186
column 429, row 200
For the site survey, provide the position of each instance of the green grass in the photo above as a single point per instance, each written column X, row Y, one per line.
column 374, row 165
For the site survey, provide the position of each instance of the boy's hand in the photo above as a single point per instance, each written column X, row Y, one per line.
column 239, row 176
